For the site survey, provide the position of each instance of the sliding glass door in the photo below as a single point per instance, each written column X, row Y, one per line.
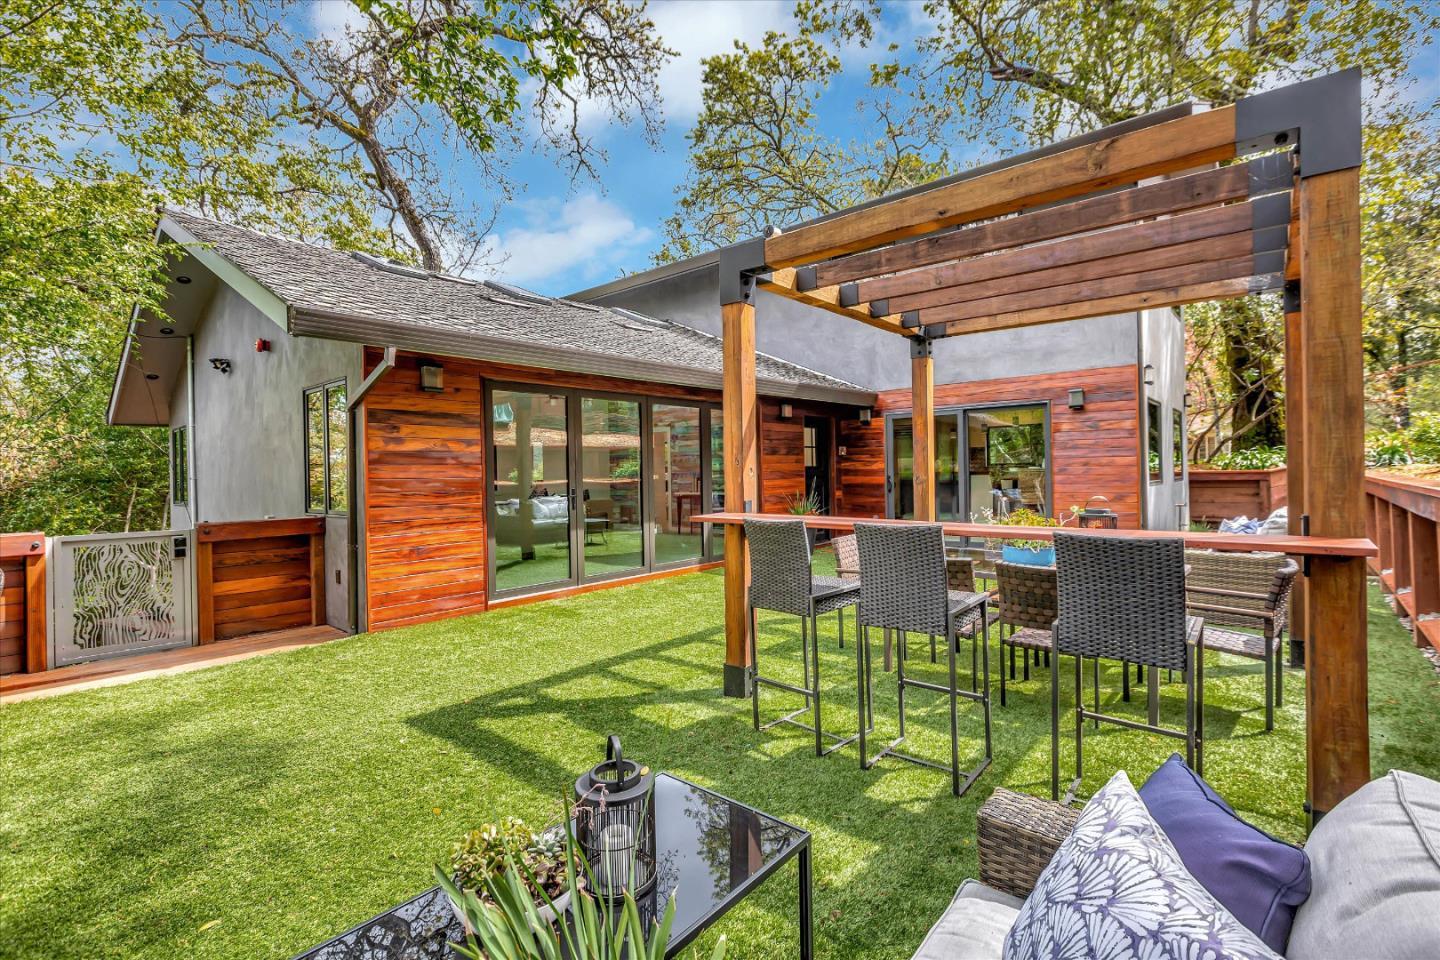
column 587, row 486
column 531, row 495
column 1002, row 464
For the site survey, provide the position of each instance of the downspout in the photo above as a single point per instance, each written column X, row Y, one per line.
column 356, row 492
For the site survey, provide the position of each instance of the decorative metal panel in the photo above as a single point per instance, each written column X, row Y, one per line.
column 120, row 593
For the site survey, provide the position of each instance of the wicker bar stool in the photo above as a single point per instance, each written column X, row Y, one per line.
column 903, row 587
column 1028, row 605
column 1124, row 599
column 780, row 580
column 1247, row 590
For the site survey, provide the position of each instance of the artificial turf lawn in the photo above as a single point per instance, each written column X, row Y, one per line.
column 254, row 809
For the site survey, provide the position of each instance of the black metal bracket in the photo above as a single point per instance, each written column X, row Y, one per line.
column 739, row 264
column 1305, row 532
column 849, row 294
column 1272, row 172
column 1321, row 117
column 1292, row 296
column 1270, row 211
column 910, row 320
column 879, row 308
column 920, row 348
column 805, row 279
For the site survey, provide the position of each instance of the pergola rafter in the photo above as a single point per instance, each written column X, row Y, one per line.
column 1084, row 228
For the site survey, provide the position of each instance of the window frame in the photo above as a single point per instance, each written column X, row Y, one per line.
column 324, row 391
column 180, row 466
column 1177, row 443
column 1154, row 431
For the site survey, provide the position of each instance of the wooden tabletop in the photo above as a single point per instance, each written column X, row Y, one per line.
column 1232, row 542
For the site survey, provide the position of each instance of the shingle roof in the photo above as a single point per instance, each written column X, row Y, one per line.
column 319, row 281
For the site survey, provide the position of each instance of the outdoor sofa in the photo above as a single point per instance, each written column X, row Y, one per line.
column 1374, row 876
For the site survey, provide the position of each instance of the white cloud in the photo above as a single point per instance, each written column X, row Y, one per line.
column 566, row 244
column 695, row 30
column 335, row 20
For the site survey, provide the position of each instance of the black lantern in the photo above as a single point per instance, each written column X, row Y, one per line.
column 1098, row 518
column 615, row 823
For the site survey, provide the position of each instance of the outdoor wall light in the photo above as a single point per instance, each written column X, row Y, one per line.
column 1149, row 374
column 1077, row 399
column 182, row 279
column 787, row 410
column 220, row 363
column 167, row 330
column 864, row 416
column 152, row 376
column 432, row 377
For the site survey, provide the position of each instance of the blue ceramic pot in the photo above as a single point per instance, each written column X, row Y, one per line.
column 1044, row 557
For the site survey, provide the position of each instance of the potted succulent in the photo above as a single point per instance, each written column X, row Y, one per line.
column 1039, row 553
column 539, row 859
column 808, row 505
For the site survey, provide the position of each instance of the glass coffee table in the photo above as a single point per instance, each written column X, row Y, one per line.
column 710, row 850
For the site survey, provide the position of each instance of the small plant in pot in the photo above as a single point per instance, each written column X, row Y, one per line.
column 539, row 860
column 808, row 505
column 1039, row 553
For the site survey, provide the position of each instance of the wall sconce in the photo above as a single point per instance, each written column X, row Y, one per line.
column 787, row 410
column 864, row 416
column 1077, row 399
column 432, row 377
column 1149, row 374
column 220, row 363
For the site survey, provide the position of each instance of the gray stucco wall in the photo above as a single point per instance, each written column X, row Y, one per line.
column 1163, row 349
column 248, row 441
column 877, row 360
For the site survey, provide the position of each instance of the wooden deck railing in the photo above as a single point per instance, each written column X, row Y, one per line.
column 1402, row 517
column 1217, row 495
column 22, row 603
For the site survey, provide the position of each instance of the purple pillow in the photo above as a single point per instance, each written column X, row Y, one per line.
column 1259, row 879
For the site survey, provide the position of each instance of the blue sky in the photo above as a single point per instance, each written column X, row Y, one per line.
column 560, row 235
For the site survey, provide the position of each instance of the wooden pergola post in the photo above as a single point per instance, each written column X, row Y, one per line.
column 1294, row 459
column 1332, row 462
column 922, row 426
column 740, row 417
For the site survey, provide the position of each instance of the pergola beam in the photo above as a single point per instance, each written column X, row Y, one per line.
column 1032, row 266
column 1194, row 270
column 1170, row 147
column 785, row 283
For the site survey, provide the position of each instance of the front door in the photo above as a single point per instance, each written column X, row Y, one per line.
column 819, row 475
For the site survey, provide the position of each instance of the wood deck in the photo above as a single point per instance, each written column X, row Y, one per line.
column 106, row 673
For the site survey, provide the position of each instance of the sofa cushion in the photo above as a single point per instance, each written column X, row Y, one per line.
column 973, row 927
column 1376, row 858
column 1259, row 879
column 1117, row 888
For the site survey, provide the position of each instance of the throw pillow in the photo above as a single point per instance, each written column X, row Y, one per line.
column 1116, row 889
column 1259, row 879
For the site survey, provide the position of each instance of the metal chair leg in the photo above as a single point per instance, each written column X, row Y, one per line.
column 1054, row 729
column 1125, row 680
column 754, row 670
column 1279, row 678
column 815, row 650
column 1080, row 718
column 1200, row 705
column 805, row 650
column 954, row 716
column 932, row 648
column 1003, row 645
column 1095, row 671
column 1269, row 686
column 985, row 667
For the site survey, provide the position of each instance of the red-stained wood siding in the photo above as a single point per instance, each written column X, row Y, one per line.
column 424, row 494
column 1094, row 451
column 782, row 453
column 261, row 585
column 12, row 616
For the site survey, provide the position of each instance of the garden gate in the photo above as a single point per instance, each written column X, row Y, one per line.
column 119, row 593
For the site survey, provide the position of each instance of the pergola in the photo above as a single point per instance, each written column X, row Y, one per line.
column 1152, row 212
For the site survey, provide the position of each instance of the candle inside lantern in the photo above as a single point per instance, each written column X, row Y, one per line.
column 616, row 846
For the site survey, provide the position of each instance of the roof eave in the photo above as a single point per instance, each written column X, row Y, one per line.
column 311, row 322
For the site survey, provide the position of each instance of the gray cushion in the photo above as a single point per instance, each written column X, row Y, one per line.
column 1375, row 863
column 973, row 927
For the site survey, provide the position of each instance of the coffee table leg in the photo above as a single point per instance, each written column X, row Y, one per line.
column 807, row 931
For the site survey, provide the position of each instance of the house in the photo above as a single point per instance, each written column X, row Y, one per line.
column 509, row 444
column 1045, row 417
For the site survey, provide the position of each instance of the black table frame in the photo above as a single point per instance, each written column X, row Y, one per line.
column 800, row 849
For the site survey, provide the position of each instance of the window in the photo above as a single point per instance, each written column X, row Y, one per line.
column 1153, row 442
column 326, row 449
column 179, row 467
column 1177, row 444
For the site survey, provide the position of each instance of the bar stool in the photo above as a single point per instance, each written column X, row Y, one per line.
column 1028, row 605
column 781, row 580
column 903, row 587
column 1123, row 599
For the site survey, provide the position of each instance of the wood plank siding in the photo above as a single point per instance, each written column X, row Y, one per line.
column 259, row 576
column 22, row 603
column 12, row 616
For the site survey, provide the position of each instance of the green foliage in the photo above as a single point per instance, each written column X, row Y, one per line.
column 804, row 505
column 505, row 923
column 481, row 855
column 1418, row 443
column 1251, row 458
column 1025, row 517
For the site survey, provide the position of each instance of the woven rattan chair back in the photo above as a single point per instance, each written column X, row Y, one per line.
column 1121, row 598
column 902, row 577
column 780, row 578
column 1028, row 595
column 1269, row 576
column 847, row 556
column 960, row 574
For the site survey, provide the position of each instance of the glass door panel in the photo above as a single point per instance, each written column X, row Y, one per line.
column 530, row 436
column 614, row 536
column 949, row 468
column 717, row 479
column 675, row 482
column 1009, row 459
column 902, row 469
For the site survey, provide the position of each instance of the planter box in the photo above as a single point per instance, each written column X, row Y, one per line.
column 1217, row 495
column 1043, row 557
